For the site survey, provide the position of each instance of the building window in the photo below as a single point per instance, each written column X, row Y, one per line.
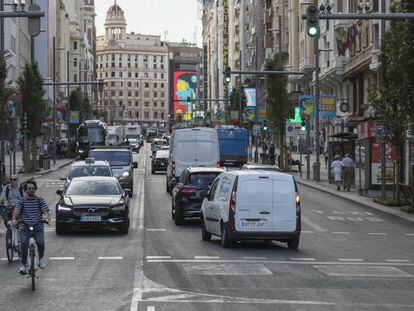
column 136, row 114
column 113, row 74
column 136, row 94
column 136, row 104
column 162, row 104
column 129, row 74
column 75, row 62
column 146, row 104
column 129, row 103
column 162, row 85
column 155, row 85
column 75, row 78
column 121, row 94
column 129, row 84
column 162, row 76
column 155, row 75
column 162, row 115
column 113, row 93
column 136, row 75
column 155, row 104
column 146, row 114
column 75, row 45
column 120, row 74
column 146, row 84
column 129, row 94
column 145, row 65
column 155, row 115
column 155, row 66
column 146, row 75
column 162, row 94
column 113, row 83
column 13, row 43
column 121, row 103
column 155, row 94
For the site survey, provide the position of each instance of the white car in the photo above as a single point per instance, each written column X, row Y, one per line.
column 252, row 205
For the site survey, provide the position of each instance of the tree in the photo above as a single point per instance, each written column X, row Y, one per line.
column 278, row 102
column 238, row 101
column 393, row 95
column 30, row 85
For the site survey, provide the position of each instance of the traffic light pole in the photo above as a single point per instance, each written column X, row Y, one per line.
column 317, row 172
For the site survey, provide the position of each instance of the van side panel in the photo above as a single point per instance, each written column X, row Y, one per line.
column 284, row 205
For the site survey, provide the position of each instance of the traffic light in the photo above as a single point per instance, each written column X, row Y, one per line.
column 303, row 124
column 265, row 126
column 312, row 20
column 227, row 75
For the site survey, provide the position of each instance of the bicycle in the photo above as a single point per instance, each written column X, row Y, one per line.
column 12, row 234
column 32, row 249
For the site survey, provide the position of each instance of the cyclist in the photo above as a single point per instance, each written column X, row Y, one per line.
column 10, row 195
column 31, row 209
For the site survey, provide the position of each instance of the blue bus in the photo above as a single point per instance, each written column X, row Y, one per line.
column 233, row 142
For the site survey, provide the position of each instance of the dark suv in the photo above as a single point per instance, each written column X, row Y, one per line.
column 121, row 162
column 187, row 195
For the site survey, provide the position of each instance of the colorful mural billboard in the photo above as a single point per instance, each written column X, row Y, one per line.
column 185, row 87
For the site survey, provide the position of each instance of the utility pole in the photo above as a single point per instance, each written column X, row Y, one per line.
column 54, row 100
column 317, row 175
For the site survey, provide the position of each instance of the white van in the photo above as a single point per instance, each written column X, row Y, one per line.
column 115, row 135
column 195, row 147
column 252, row 205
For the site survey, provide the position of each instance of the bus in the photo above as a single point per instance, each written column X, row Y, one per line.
column 91, row 133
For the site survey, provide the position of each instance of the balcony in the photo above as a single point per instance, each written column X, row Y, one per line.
column 267, row 19
column 267, row 42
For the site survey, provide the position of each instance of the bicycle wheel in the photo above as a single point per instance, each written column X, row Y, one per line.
column 9, row 245
column 32, row 268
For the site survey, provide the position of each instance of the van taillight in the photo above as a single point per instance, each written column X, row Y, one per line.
column 187, row 191
column 232, row 209
column 298, row 214
column 173, row 166
column 218, row 164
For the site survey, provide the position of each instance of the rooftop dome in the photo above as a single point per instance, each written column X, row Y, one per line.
column 115, row 16
column 115, row 9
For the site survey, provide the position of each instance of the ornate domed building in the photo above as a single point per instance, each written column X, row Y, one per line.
column 135, row 69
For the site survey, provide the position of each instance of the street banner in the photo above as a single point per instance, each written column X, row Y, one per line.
column 248, row 114
column 251, row 97
column 74, row 117
column 306, row 103
column 328, row 106
column 262, row 115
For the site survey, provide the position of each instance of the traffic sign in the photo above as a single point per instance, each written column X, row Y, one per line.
column 294, row 129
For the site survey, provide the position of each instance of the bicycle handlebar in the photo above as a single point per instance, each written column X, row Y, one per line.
column 35, row 225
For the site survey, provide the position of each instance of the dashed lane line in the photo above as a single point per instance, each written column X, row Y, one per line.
column 409, row 234
column 307, row 232
column 341, row 232
column 150, row 308
column 303, row 259
column 377, row 233
column 206, row 257
column 111, row 258
column 398, row 260
column 156, row 230
column 62, row 258
column 254, row 258
column 350, row 260
column 158, row 257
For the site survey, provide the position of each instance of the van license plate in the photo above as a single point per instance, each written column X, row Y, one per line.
column 90, row 218
column 252, row 224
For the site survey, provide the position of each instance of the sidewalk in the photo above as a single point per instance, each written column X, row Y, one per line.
column 26, row 176
column 351, row 196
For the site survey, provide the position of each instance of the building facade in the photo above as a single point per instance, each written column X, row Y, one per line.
column 135, row 70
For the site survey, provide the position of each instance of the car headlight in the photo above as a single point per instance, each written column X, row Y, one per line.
column 81, row 151
column 125, row 174
column 118, row 208
column 64, row 208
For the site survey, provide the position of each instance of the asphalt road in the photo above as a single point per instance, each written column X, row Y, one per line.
column 349, row 258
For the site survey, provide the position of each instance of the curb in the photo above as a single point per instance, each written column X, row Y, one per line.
column 383, row 209
column 38, row 175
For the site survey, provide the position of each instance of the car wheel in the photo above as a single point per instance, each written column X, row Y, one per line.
column 124, row 228
column 167, row 188
column 179, row 218
column 60, row 230
column 172, row 211
column 225, row 240
column 293, row 244
column 204, row 233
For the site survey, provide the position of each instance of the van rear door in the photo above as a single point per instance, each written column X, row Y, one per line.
column 207, row 148
column 284, row 204
column 254, row 203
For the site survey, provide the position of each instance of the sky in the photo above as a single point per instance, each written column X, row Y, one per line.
column 178, row 17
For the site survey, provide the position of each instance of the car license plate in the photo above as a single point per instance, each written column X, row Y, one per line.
column 252, row 224
column 90, row 218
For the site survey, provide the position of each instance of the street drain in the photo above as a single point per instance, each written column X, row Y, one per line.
column 363, row 271
column 226, row 269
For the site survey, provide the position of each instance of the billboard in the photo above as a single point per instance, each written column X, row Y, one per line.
column 185, row 86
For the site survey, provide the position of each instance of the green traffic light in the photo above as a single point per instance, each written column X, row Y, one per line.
column 303, row 128
column 313, row 30
column 227, row 79
column 265, row 128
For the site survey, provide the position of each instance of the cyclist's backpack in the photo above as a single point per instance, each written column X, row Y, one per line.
column 8, row 191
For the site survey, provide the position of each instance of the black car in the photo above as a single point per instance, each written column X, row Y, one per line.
column 93, row 203
column 159, row 161
column 187, row 195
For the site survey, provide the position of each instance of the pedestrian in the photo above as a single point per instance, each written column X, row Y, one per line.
column 11, row 193
column 348, row 168
column 337, row 171
column 326, row 159
column 272, row 154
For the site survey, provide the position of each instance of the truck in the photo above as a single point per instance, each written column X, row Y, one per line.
column 91, row 133
column 116, row 135
column 234, row 143
column 133, row 131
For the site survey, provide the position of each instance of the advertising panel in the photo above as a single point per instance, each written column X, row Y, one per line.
column 185, row 87
column 328, row 106
column 390, row 157
column 306, row 105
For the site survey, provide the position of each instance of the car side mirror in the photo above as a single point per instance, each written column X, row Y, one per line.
column 151, row 157
column 204, row 194
column 135, row 165
column 63, row 177
column 128, row 192
column 59, row 192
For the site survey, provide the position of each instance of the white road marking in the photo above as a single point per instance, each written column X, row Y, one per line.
column 377, row 233
column 312, row 224
column 150, row 308
column 302, row 259
column 292, row 262
column 156, row 230
column 350, row 260
column 158, row 257
column 409, row 234
column 111, row 258
column 62, row 258
column 307, row 232
column 341, row 232
column 254, row 258
column 397, row 260
column 136, row 205
column 206, row 257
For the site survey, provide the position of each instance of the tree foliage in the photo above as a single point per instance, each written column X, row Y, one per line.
column 277, row 97
column 393, row 95
column 78, row 102
column 30, row 85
